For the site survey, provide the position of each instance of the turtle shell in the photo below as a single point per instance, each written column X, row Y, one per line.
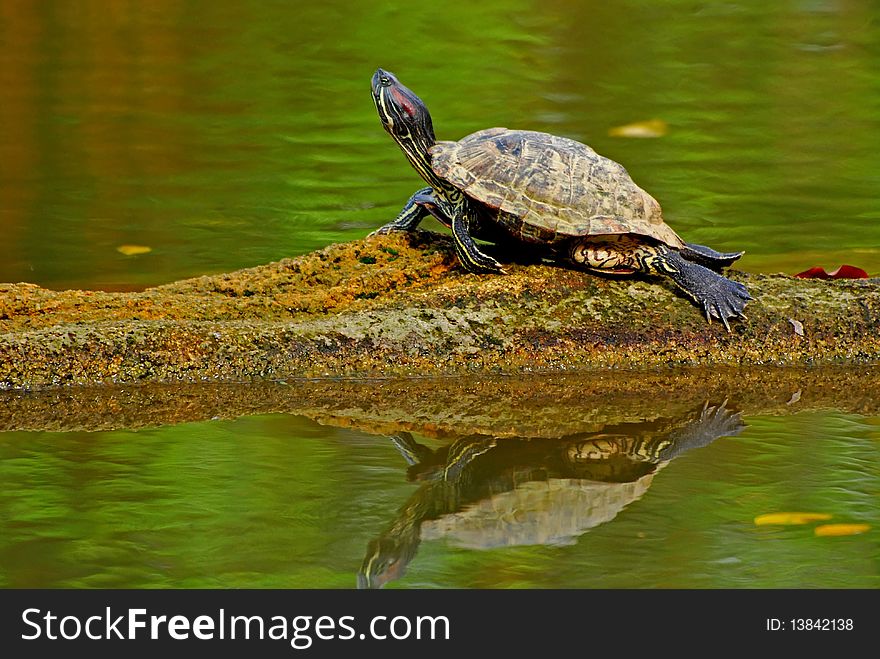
column 554, row 184
column 552, row 512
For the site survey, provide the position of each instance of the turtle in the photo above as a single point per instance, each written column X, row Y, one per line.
column 545, row 194
column 482, row 491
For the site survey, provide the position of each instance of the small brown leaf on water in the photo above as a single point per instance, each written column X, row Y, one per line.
column 133, row 250
column 790, row 518
column 840, row 529
column 649, row 128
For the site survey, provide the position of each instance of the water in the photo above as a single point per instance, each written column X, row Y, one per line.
column 623, row 498
column 225, row 135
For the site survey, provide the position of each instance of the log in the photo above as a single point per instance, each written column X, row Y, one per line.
column 399, row 306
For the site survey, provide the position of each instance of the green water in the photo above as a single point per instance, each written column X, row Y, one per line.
column 225, row 135
column 280, row 501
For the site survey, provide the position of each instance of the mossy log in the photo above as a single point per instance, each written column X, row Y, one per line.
column 399, row 305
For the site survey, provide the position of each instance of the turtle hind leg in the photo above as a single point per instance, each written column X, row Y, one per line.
column 708, row 257
column 719, row 297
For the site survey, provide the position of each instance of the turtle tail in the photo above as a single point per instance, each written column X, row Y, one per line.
column 706, row 256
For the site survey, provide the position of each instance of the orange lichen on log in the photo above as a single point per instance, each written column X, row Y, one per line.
column 399, row 305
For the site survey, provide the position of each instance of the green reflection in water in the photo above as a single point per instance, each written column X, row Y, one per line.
column 229, row 135
column 279, row 501
column 222, row 504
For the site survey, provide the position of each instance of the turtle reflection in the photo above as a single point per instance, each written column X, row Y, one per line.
column 482, row 492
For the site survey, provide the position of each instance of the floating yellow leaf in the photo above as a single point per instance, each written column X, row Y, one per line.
column 649, row 128
column 841, row 529
column 133, row 250
column 790, row 518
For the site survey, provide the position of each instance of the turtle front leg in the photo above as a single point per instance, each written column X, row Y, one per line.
column 421, row 205
column 470, row 256
column 719, row 297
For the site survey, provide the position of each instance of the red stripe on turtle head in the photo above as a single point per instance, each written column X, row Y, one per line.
column 403, row 101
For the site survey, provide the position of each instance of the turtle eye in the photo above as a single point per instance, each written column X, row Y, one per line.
column 384, row 81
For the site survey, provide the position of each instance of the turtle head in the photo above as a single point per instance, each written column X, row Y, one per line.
column 385, row 561
column 403, row 115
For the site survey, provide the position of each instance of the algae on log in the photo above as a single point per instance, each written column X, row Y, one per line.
column 398, row 305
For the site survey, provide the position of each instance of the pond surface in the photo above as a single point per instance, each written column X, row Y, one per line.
column 226, row 135
column 280, row 501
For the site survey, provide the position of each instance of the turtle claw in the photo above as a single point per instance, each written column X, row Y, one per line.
column 714, row 311
column 488, row 266
column 741, row 290
column 385, row 230
column 726, row 324
column 469, row 255
column 726, row 300
column 491, row 265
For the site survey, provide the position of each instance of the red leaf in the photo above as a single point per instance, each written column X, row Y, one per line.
column 849, row 272
column 843, row 272
column 814, row 273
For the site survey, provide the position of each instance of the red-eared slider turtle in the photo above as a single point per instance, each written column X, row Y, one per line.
column 483, row 492
column 525, row 187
